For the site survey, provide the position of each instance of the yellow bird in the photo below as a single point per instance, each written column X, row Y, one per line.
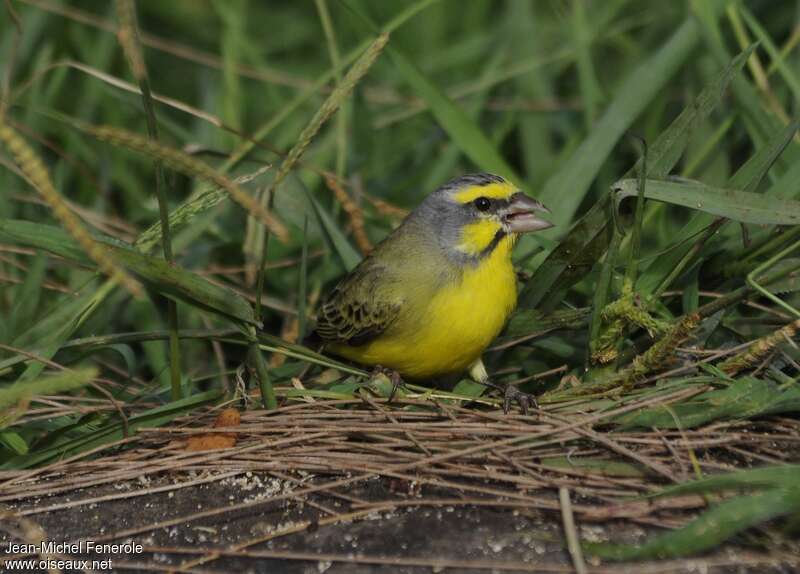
column 429, row 299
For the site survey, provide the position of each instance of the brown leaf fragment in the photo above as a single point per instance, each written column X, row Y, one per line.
column 213, row 441
column 227, row 418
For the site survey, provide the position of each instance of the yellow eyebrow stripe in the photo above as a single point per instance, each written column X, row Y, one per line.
column 493, row 190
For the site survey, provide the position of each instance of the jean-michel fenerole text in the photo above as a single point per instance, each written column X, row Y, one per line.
column 79, row 547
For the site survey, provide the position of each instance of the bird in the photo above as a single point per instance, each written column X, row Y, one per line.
column 430, row 298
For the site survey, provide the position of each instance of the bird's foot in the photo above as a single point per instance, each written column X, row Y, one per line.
column 394, row 378
column 512, row 394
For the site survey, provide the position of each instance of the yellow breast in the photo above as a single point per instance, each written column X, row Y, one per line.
column 446, row 333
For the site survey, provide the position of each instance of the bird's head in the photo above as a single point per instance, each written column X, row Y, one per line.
column 473, row 213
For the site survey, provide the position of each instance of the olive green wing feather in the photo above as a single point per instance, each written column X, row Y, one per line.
column 361, row 307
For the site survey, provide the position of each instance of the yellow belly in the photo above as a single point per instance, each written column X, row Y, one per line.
column 446, row 333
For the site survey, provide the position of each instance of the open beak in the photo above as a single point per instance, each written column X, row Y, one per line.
column 520, row 215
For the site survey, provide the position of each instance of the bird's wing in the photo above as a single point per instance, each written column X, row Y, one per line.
column 361, row 307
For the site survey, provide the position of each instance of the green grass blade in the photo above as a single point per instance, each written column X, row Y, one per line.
column 722, row 202
column 47, row 385
column 760, row 124
column 749, row 176
column 750, row 479
column 668, row 148
column 13, row 442
column 302, row 287
column 712, row 528
column 746, row 177
column 171, row 280
column 335, row 237
column 565, row 190
column 787, row 73
column 602, row 294
column 28, row 295
column 91, row 438
column 742, row 399
column 574, row 257
column 591, row 93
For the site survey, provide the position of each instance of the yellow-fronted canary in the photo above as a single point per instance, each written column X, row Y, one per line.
column 433, row 295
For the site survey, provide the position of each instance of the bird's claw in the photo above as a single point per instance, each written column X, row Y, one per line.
column 392, row 375
column 513, row 395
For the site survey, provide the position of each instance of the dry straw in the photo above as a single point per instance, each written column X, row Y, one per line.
column 36, row 173
column 128, row 39
column 355, row 214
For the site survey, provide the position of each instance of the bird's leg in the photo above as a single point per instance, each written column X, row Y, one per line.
column 511, row 394
column 392, row 375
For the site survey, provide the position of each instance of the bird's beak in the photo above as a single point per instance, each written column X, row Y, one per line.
column 520, row 215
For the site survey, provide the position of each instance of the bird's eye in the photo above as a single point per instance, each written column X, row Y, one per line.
column 482, row 204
